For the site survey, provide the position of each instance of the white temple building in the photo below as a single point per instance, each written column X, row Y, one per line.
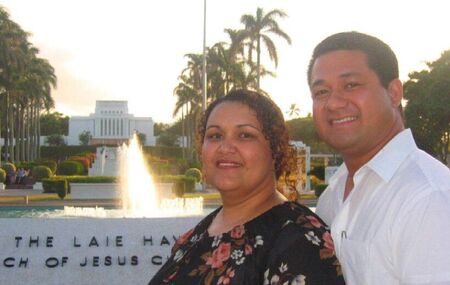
column 111, row 124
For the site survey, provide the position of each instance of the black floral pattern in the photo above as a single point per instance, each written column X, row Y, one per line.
column 288, row 244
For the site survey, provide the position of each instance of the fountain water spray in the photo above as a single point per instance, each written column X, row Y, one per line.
column 140, row 197
column 139, row 194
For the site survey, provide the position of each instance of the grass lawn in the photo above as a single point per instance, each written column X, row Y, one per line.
column 38, row 197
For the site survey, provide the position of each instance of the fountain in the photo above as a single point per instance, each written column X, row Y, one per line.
column 91, row 246
column 139, row 195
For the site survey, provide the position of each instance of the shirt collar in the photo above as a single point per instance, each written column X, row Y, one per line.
column 389, row 158
column 340, row 172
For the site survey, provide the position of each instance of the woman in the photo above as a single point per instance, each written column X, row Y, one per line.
column 257, row 236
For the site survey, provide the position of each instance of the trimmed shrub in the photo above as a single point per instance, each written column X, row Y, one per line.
column 194, row 172
column 318, row 171
column 178, row 188
column 41, row 172
column 59, row 186
column 319, row 189
column 89, row 155
column 2, row 176
column 83, row 160
column 49, row 163
column 7, row 167
column 181, row 183
column 70, row 167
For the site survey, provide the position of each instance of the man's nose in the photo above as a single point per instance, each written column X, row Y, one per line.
column 336, row 100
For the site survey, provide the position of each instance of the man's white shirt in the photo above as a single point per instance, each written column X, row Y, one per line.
column 394, row 227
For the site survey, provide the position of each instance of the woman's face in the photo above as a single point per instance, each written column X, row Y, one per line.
column 235, row 154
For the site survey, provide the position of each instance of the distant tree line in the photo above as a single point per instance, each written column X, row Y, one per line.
column 427, row 110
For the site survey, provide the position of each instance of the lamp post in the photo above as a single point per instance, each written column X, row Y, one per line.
column 204, row 72
column 204, row 57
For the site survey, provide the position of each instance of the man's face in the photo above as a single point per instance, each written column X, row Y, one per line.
column 352, row 111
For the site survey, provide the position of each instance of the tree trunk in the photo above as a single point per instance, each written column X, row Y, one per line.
column 38, row 133
column 33, row 131
column 11, row 130
column 27, row 135
column 258, row 61
column 7, row 142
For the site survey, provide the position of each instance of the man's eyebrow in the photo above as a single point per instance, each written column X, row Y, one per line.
column 317, row 82
column 343, row 75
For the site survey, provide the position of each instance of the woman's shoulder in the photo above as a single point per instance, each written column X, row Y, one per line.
column 303, row 247
column 289, row 219
column 293, row 213
column 298, row 227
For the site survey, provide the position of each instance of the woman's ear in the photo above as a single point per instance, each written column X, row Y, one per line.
column 395, row 92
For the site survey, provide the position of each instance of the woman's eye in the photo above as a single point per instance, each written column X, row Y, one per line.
column 213, row 136
column 246, row 135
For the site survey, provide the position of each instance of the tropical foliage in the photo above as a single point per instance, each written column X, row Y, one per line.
column 294, row 111
column 230, row 65
column 304, row 130
column 427, row 111
column 54, row 123
column 26, row 81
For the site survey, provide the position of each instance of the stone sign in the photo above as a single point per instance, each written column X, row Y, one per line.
column 86, row 251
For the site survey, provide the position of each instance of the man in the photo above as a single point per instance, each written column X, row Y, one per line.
column 388, row 205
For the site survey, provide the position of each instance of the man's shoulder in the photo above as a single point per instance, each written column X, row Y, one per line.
column 428, row 170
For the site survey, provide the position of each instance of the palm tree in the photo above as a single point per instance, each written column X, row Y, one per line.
column 294, row 110
column 257, row 31
column 25, row 87
column 13, row 54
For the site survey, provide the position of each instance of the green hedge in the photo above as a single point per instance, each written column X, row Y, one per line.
column 7, row 167
column 2, row 176
column 319, row 189
column 164, row 151
column 181, row 183
column 70, row 167
column 59, row 186
column 62, row 152
column 28, row 164
column 88, row 179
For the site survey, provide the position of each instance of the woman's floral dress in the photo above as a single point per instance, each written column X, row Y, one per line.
column 286, row 245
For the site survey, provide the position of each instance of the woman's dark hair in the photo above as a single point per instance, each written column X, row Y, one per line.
column 273, row 128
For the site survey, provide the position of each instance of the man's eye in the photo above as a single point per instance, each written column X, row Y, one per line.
column 351, row 85
column 320, row 92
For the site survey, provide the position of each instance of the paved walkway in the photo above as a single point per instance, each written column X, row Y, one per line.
column 25, row 198
column 23, row 201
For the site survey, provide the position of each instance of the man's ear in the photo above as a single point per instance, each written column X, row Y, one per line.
column 395, row 91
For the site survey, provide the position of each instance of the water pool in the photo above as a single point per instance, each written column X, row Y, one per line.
column 68, row 212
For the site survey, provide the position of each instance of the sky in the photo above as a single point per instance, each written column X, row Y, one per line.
column 134, row 49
